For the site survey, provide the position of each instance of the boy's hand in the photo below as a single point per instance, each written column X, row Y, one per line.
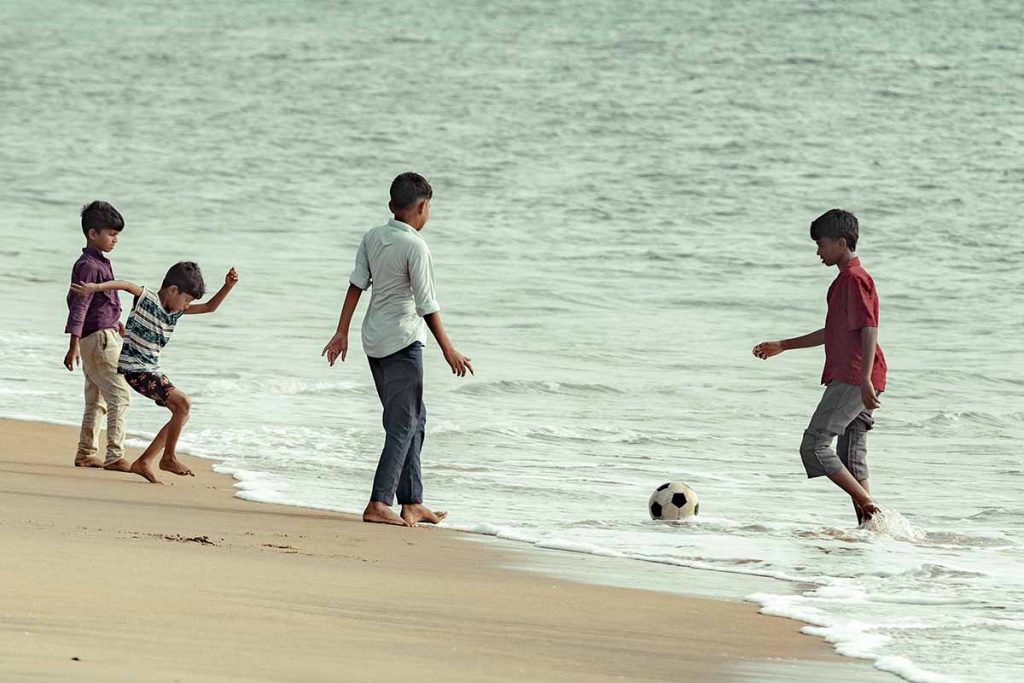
column 767, row 349
column 338, row 346
column 72, row 358
column 231, row 279
column 458, row 362
column 120, row 329
column 868, row 395
column 83, row 288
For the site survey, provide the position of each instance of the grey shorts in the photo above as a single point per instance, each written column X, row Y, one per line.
column 840, row 413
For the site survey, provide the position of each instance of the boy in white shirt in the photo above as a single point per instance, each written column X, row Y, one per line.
column 395, row 261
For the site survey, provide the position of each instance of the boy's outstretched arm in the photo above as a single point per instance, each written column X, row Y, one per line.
column 90, row 288
column 767, row 349
column 338, row 346
column 868, row 344
column 458, row 362
column 230, row 280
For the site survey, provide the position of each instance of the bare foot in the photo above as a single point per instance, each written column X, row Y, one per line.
column 88, row 462
column 416, row 513
column 174, row 466
column 119, row 465
column 144, row 470
column 379, row 513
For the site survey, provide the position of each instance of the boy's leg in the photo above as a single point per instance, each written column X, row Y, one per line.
column 143, row 465
column 180, row 406
column 88, row 438
column 399, row 382
column 102, row 369
column 839, row 406
column 410, row 483
column 853, row 452
column 158, row 388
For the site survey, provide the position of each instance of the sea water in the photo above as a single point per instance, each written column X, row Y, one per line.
column 622, row 196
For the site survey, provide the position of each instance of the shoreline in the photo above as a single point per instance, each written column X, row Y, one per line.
column 106, row 575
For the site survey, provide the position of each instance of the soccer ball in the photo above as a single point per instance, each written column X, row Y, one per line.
column 673, row 501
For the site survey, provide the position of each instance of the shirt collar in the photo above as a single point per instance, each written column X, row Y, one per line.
column 401, row 226
column 95, row 253
column 852, row 263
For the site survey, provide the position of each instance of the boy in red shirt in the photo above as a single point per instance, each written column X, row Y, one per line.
column 854, row 372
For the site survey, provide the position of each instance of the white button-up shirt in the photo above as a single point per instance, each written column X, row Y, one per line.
column 395, row 261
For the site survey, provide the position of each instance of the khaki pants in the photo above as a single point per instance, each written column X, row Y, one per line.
column 105, row 392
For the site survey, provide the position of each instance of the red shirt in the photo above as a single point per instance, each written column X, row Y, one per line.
column 852, row 305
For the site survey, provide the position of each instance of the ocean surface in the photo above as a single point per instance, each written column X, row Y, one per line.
column 621, row 210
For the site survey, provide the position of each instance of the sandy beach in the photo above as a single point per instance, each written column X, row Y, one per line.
column 106, row 577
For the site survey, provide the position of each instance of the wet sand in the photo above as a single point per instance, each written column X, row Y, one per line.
column 104, row 576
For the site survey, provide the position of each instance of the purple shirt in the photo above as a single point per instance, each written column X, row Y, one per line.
column 100, row 311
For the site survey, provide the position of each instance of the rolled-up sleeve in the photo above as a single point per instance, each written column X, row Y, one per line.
column 78, row 306
column 421, row 276
column 360, row 276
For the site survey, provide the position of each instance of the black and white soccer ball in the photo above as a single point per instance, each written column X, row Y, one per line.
column 673, row 501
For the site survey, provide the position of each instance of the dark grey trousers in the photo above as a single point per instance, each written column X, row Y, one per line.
column 399, row 382
column 841, row 413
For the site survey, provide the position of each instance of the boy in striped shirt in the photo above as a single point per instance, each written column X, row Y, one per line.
column 150, row 324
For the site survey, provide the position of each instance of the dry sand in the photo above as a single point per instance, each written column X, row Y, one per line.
column 106, row 577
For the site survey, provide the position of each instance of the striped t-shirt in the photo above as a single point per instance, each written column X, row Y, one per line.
column 146, row 333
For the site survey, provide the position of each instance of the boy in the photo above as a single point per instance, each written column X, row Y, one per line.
column 396, row 262
column 150, row 324
column 855, row 368
column 94, row 323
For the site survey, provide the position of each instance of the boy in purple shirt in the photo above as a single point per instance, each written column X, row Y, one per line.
column 94, row 323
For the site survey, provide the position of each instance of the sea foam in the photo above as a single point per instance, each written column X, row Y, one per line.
column 850, row 637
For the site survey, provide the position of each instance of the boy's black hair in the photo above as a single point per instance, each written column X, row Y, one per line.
column 98, row 215
column 186, row 276
column 837, row 223
column 409, row 188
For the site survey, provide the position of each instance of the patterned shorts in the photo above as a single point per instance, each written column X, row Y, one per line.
column 150, row 385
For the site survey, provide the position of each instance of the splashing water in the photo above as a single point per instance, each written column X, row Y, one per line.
column 892, row 524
